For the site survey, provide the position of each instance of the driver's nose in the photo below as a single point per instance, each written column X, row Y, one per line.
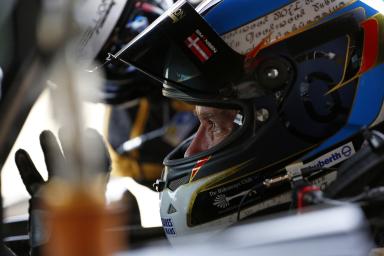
column 199, row 143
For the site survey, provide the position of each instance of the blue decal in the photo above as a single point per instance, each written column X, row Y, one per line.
column 368, row 10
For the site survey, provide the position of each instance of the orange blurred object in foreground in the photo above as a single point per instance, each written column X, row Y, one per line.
column 77, row 221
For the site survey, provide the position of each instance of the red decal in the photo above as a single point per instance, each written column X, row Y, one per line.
column 371, row 44
column 301, row 194
column 197, row 167
column 198, row 47
column 252, row 54
column 249, row 62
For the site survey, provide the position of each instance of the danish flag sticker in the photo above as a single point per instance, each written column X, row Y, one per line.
column 198, row 47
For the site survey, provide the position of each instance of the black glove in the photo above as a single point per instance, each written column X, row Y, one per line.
column 57, row 162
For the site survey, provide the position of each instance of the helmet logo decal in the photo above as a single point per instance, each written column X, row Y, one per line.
column 197, row 167
column 333, row 157
column 200, row 46
column 168, row 226
column 223, row 201
column 177, row 15
column 282, row 23
column 171, row 209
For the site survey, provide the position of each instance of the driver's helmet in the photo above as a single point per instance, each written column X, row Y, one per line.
column 302, row 79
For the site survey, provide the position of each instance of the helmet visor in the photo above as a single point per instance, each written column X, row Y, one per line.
column 202, row 63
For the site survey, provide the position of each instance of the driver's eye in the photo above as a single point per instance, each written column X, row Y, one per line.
column 212, row 125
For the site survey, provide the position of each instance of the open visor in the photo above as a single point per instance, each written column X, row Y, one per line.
column 181, row 50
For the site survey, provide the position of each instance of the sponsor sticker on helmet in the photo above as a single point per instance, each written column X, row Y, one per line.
column 168, row 226
column 281, row 23
column 177, row 15
column 223, row 201
column 333, row 157
column 200, row 46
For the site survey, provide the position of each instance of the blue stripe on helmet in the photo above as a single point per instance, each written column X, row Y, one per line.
column 369, row 11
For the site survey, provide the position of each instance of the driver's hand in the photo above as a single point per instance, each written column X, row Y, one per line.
column 55, row 158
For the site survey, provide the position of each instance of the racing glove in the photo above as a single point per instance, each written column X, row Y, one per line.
column 55, row 158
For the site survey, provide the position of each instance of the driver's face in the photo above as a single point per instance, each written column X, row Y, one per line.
column 215, row 125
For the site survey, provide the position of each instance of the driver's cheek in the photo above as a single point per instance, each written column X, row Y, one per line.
column 219, row 137
column 201, row 142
